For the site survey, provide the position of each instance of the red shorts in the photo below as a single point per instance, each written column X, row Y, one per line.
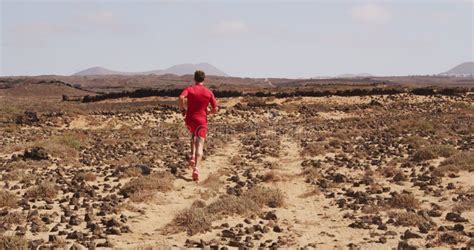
column 197, row 128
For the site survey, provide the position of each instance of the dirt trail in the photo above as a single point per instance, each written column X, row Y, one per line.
column 158, row 213
column 310, row 218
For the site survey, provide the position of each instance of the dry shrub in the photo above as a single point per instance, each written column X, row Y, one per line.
column 65, row 146
column 86, row 176
column 199, row 217
column 433, row 151
column 312, row 149
column 13, row 218
column 404, row 200
column 13, row 242
column 8, row 199
column 461, row 161
column 193, row 220
column 157, row 182
column 388, row 171
column 424, row 154
column 265, row 196
column 44, row 190
column 143, row 196
column 271, row 176
column 89, row 176
column 414, row 125
column 406, row 218
column 13, row 175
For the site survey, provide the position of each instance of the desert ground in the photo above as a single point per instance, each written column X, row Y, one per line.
column 332, row 172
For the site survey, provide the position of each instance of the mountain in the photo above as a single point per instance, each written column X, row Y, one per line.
column 354, row 75
column 464, row 69
column 180, row 69
column 98, row 71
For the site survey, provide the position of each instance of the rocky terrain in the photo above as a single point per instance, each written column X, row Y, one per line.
column 360, row 172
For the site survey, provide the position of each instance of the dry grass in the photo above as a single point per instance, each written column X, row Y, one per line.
column 14, row 175
column 434, row 151
column 199, row 217
column 406, row 218
column 13, row 242
column 408, row 201
column 194, row 220
column 66, row 146
column 142, row 188
column 13, row 218
column 8, row 199
column 44, row 190
column 461, row 161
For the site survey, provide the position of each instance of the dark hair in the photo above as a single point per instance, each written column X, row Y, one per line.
column 199, row 76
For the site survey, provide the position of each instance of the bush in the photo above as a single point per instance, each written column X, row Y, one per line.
column 199, row 217
column 158, row 182
column 406, row 218
column 434, row 151
column 407, row 201
column 13, row 242
column 44, row 190
column 8, row 199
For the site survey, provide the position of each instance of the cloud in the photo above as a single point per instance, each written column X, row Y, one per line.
column 100, row 18
column 371, row 13
column 230, row 28
column 36, row 33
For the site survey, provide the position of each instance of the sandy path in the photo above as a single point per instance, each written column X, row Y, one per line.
column 161, row 211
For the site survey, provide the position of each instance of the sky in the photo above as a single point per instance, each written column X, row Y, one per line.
column 297, row 39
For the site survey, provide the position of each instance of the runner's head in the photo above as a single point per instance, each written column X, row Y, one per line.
column 199, row 76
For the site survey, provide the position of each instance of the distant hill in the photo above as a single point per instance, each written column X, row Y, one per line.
column 180, row 69
column 462, row 70
column 354, row 75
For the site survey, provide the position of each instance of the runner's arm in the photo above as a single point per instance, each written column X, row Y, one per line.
column 213, row 102
column 181, row 103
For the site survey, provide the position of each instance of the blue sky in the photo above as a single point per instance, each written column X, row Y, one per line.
column 243, row 38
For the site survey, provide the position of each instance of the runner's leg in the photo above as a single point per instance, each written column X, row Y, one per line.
column 199, row 149
column 193, row 150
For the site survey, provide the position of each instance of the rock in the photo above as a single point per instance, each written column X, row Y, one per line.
column 228, row 234
column 403, row 245
column 271, row 216
column 36, row 153
column 458, row 228
column 75, row 236
column 455, row 217
column 53, row 238
column 424, row 227
column 410, row 235
column 28, row 118
column 449, row 238
column 113, row 231
column 399, row 177
column 435, row 213
column 74, row 220
column 234, row 243
column 383, row 240
column 277, row 229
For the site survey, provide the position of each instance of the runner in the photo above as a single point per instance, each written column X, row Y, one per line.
column 199, row 98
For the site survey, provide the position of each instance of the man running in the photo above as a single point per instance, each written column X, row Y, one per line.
column 199, row 98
